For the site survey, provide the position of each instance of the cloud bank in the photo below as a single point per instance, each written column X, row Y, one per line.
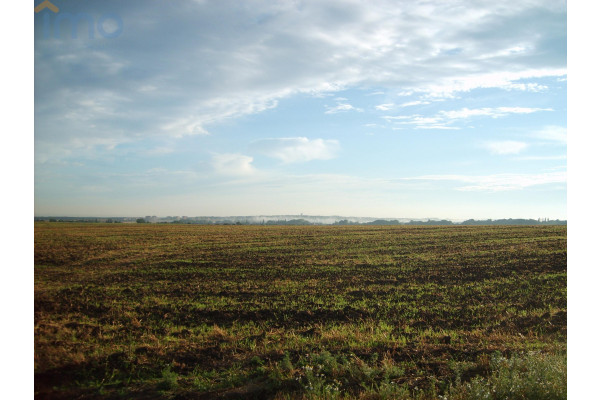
column 298, row 149
column 226, row 59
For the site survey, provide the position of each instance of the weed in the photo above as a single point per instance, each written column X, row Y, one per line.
column 168, row 379
column 531, row 376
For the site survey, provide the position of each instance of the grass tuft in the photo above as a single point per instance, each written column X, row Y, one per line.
column 531, row 376
column 168, row 379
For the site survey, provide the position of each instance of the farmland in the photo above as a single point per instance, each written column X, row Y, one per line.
column 202, row 312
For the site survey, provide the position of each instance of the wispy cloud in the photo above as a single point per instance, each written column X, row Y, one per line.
column 498, row 182
column 506, row 147
column 298, row 149
column 384, row 107
column 543, row 158
column 341, row 107
column 507, row 80
column 233, row 164
column 510, row 51
column 445, row 119
column 414, row 103
column 552, row 133
column 493, row 112
column 215, row 110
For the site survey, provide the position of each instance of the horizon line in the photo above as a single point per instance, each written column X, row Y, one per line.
column 299, row 215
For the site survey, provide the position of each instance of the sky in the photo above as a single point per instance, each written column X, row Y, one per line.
column 405, row 109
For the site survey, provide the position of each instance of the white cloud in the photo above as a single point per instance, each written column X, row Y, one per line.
column 447, row 87
column 385, row 107
column 445, row 119
column 543, row 158
column 495, row 112
column 233, row 164
column 341, row 108
column 506, row 147
column 528, row 87
column 214, row 111
column 504, row 52
column 414, row 103
column 499, row 182
column 185, row 126
column 436, row 126
column 147, row 88
column 298, row 149
column 552, row 133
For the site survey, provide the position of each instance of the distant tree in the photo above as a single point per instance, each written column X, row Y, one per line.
column 140, row 221
column 383, row 222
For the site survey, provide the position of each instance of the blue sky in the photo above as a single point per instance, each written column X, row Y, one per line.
column 386, row 109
